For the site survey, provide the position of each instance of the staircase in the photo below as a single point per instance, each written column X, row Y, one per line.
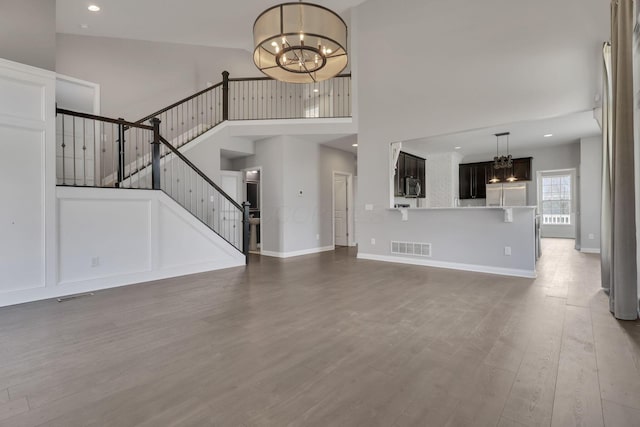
column 96, row 151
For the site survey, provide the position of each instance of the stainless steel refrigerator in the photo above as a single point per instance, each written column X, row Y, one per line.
column 507, row 194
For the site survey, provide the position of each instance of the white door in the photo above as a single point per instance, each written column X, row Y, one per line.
column 340, row 216
column 231, row 220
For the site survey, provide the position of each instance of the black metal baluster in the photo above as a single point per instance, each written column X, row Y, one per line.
column 63, row 152
column 120, row 154
column 95, row 159
column 103, row 154
column 155, row 164
column 84, row 153
column 349, row 96
column 73, row 124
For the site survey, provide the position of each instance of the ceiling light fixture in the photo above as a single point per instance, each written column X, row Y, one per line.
column 457, row 148
column 94, row 8
column 300, row 43
column 548, row 135
column 354, row 145
column 502, row 162
column 84, row 26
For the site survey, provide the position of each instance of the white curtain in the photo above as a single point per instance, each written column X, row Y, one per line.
column 607, row 146
column 623, row 292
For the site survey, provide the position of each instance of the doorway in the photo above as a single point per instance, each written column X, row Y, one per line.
column 252, row 191
column 342, row 200
column 557, row 203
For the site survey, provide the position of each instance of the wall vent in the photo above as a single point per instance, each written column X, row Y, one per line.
column 411, row 248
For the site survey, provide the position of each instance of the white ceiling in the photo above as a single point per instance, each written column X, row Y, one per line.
column 197, row 22
column 524, row 135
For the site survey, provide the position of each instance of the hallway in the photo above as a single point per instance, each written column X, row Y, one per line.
column 328, row 339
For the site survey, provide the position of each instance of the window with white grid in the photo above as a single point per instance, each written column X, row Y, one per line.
column 556, row 200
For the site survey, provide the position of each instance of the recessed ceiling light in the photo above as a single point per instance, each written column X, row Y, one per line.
column 457, row 148
column 84, row 26
column 548, row 135
column 94, row 8
column 354, row 145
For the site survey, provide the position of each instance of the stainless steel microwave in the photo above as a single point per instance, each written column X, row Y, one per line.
column 412, row 187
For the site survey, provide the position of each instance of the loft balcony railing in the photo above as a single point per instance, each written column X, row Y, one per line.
column 255, row 98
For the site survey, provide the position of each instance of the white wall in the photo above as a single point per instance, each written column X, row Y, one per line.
column 443, row 179
column 204, row 151
column 155, row 239
column 269, row 154
column 293, row 224
column 27, row 179
column 140, row 77
column 590, row 193
column 28, row 32
column 472, row 65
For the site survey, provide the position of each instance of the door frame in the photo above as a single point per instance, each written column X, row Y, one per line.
column 244, row 197
column 574, row 198
column 350, row 213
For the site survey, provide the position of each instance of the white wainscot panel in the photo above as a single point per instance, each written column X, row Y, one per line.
column 21, row 210
column 25, row 99
column 102, row 238
column 182, row 241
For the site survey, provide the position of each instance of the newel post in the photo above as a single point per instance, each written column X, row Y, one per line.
column 246, row 230
column 121, row 150
column 225, row 95
column 155, row 154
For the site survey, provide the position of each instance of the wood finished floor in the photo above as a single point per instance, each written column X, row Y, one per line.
column 328, row 340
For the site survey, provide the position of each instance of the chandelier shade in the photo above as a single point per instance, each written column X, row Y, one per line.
column 300, row 43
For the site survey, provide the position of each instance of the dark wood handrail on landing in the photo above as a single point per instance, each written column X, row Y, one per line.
column 175, row 104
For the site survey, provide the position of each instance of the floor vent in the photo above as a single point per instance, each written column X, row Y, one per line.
column 409, row 248
column 72, row 297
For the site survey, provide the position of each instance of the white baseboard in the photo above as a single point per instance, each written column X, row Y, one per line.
column 91, row 285
column 590, row 250
column 297, row 253
column 530, row 274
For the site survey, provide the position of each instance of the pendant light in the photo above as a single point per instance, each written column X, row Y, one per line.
column 300, row 43
column 502, row 162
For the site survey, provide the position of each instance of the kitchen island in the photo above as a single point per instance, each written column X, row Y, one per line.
column 498, row 240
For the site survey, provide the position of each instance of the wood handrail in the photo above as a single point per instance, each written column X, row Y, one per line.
column 251, row 79
column 103, row 119
column 175, row 104
column 189, row 98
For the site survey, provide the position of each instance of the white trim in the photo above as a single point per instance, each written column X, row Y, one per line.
column 350, row 210
column 297, row 253
column 529, row 274
column 590, row 250
column 85, row 83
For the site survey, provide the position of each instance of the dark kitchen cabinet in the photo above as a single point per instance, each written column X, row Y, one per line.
column 409, row 166
column 472, row 180
column 522, row 169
